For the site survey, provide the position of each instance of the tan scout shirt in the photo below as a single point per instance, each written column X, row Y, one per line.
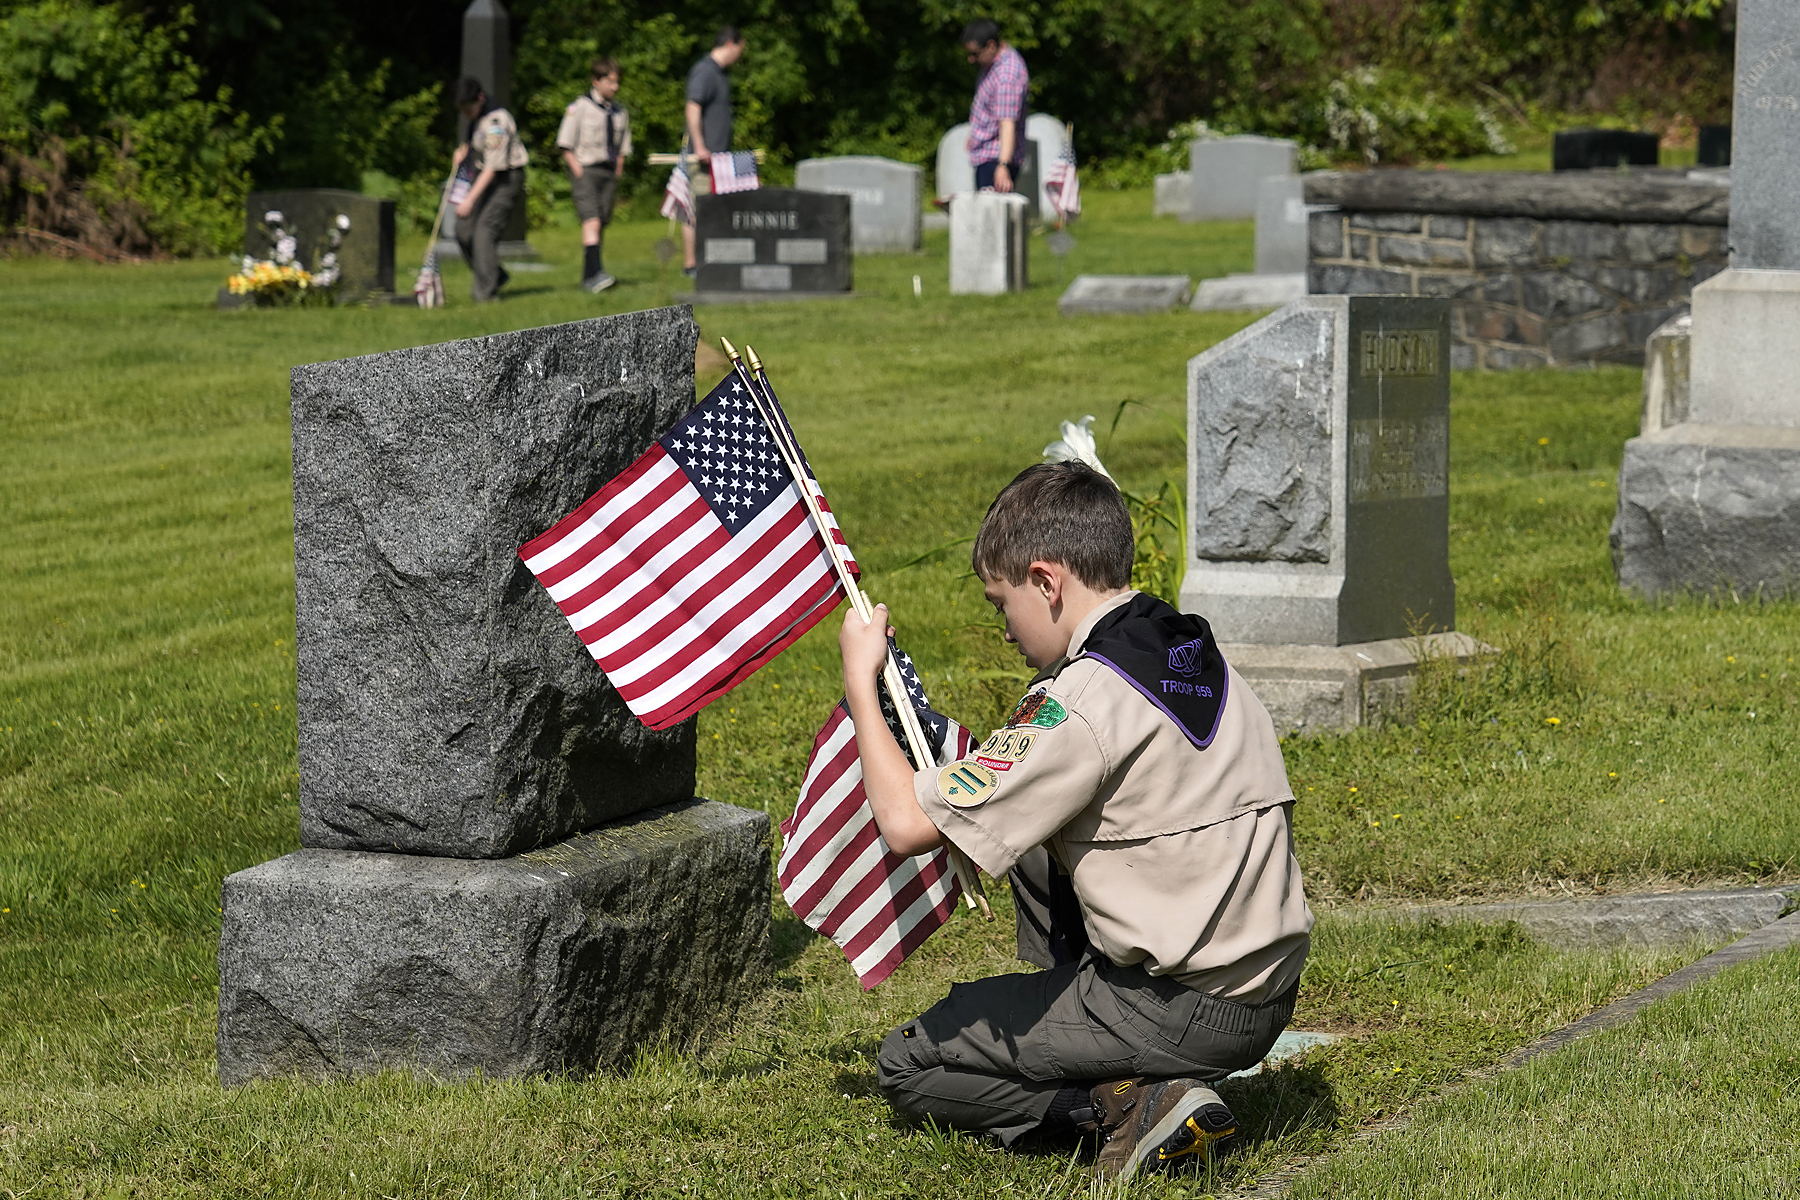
column 590, row 125
column 1182, row 859
column 496, row 143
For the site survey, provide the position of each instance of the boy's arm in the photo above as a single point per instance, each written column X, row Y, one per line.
column 887, row 776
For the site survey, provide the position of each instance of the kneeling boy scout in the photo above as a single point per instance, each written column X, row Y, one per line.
column 1138, row 797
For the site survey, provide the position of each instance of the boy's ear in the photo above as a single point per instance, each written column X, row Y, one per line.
column 1047, row 579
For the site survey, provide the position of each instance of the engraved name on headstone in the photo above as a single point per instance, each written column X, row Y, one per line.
column 884, row 198
column 773, row 240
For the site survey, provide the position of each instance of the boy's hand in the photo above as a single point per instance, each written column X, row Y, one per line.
column 864, row 646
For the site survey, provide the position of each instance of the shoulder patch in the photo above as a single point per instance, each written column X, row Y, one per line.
column 1005, row 747
column 1039, row 709
column 966, row 784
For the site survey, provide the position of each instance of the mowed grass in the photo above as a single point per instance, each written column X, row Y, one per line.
column 147, row 732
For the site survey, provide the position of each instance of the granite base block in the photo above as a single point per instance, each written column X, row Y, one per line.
column 1093, row 295
column 1325, row 689
column 336, row 962
column 1239, row 293
column 1707, row 508
column 1651, row 920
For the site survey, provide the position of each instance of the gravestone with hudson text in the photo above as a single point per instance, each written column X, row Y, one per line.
column 1711, row 503
column 884, row 198
column 773, row 240
column 1318, row 501
column 503, row 871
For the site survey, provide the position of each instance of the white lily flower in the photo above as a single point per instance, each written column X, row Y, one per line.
column 343, row 222
column 1076, row 445
column 273, row 217
column 285, row 248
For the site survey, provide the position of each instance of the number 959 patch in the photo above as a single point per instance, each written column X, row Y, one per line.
column 966, row 784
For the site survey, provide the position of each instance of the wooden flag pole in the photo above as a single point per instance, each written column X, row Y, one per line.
column 789, row 450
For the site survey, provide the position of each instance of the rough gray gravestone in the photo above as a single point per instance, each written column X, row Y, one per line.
column 567, row 959
column 884, row 198
column 1100, row 294
column 366, row 252
column 773, row 240
column 1226, row 173
column 445, row 705
column 1712, row 504
column 1318, row 463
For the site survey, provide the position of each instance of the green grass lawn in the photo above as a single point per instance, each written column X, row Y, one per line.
column 147, row 731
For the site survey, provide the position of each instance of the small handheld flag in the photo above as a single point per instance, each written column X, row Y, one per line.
column 734, row 171
column 1061, row 181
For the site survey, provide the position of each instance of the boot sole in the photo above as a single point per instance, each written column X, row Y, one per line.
column 1153, row 1151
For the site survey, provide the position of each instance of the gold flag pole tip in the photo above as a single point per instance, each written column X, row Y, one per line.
column 730, row 350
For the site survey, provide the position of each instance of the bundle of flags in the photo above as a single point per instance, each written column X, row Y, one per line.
column 1061, row 181
column 734, row 171
column 835, row 871
column 678, row 196
column 696, row 565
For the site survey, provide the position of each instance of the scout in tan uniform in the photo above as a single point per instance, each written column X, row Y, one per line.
column 1137, row 797
column 499, row 157
column 595, row 140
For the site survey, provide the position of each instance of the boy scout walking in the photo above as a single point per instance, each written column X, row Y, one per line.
column 499, row 158
column 595, row 140
column 1137, row 795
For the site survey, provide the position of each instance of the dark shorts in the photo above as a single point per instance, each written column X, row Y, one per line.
column 984, row 175
column 594, row 191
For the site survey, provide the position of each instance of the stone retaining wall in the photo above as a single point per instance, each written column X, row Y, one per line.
column 1541, row 270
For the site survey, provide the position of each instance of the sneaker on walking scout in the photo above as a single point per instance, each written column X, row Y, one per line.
column 1167, row 1125
column 598, row 283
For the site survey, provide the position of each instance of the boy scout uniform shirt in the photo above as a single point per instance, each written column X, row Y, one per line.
column 597, row 131
column 1182, row 858
column 495, row 142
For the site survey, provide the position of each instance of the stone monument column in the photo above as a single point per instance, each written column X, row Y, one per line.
column 1318, row 502
column 1712, row 502
column 502, row 871
column 487, row 55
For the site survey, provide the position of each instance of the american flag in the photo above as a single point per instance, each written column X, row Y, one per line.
column 678, row 196
column 696, row 565
column 835, row 871
column 1062, row 182
column 734, row 171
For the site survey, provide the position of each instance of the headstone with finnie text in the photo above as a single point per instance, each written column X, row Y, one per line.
column 773, row 240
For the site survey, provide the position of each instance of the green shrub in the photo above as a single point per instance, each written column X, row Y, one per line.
column 105, row 136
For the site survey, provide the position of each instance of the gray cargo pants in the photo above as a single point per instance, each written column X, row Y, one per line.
column 480, row 235
column 991, row 1057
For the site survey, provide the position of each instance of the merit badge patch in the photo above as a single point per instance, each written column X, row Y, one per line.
column 1037, row 708
column 1005, row 747
column 966, row 784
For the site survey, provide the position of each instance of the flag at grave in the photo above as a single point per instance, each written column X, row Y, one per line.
column 734, row 171
column 696, row 565
column 1062, row 182
column 835, row 871
column 678, row 196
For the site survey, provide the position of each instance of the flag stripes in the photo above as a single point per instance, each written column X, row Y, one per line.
column 840, row 878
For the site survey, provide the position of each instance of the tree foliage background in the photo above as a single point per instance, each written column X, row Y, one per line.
column 140, row 126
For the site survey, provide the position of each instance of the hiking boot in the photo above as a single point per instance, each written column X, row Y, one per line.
column 598, row 283
column 1172, row 1125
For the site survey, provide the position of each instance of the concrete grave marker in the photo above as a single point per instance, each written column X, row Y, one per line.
column 1090, row 294
column 1318, row 460
column 1712, row 501
column 1226, row 173
column 773, row 240
column 988, row 243
column 454, row 734
column 884, row 198
column 1281, row 253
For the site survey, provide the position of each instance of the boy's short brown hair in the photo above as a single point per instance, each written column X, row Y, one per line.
column 603, row 67
column 1064, row 512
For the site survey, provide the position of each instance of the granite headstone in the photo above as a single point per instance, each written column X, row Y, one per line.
column 954, row 171
column 773, row 240
column 988, row 243
column 1281, row 233
column 445, row 706
column 1604, row 149
column 1226, row 174
column 366, row 253
column 884, row 198
column 1043, row 135
column 1318, row 464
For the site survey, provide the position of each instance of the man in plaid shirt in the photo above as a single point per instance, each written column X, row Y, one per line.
column 997, row 114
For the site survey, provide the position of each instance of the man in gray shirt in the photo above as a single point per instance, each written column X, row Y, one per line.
column 708, row 120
